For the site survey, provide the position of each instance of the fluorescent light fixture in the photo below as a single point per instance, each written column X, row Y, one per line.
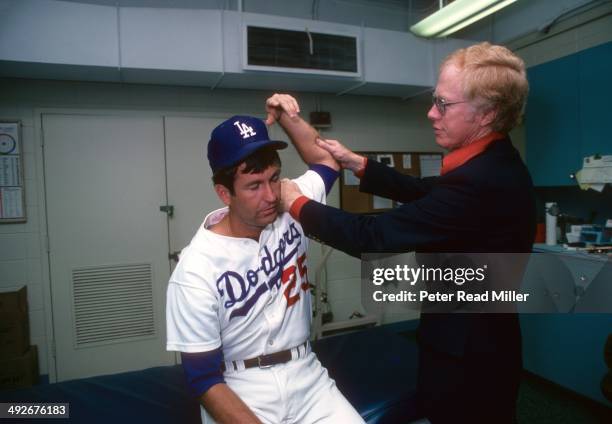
column 457, row 15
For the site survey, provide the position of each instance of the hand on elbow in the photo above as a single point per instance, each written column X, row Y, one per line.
column 345, row 157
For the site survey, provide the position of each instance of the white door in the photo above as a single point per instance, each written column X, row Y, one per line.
column 190, row 187
column 108, row 240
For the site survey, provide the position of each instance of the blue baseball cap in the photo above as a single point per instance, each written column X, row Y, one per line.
column 235, row 139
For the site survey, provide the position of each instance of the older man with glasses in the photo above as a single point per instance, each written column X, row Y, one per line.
column 469, row 364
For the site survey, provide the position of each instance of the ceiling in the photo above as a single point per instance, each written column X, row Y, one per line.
column 417, row 5
column 394, row 15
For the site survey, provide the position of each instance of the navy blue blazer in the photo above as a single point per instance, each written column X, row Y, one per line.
column 485, row 205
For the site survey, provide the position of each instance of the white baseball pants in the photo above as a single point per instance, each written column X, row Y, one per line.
column 299, row 391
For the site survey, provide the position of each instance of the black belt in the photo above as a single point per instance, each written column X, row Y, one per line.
column 266, row 361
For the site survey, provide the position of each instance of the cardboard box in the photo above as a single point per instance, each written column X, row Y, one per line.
column 14, row 301
column 19, row 371
column 14, row 334
column 14, row 323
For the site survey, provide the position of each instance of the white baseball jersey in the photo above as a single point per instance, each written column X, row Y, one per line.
column 250, row 297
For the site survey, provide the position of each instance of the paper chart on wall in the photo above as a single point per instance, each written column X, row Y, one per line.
column 11, row 175
column 11, row 205
column 407, row 161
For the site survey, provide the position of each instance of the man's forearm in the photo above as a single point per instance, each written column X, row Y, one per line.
column 226, row 407
column 303, row 137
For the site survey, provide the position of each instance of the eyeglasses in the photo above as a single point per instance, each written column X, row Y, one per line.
column 441, row 103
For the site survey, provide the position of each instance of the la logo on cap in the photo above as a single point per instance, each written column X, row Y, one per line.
column 245, row 130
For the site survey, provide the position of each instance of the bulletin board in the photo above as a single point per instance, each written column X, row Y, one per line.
column 12, row 190
column 417, row 164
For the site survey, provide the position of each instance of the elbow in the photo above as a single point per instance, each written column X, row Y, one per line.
column 330, row 162
column 202, row 371
column 209, row 391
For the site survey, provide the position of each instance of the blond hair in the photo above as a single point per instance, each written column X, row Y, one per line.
column 495, row 78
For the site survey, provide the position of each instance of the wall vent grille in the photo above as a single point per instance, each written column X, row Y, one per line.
column 112, row 303
column 270, row 48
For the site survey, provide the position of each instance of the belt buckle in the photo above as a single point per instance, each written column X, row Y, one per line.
column 260, row 365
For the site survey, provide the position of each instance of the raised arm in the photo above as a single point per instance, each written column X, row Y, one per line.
column 284, row 109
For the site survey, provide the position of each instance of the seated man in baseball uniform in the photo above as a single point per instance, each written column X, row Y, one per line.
column 239, row 301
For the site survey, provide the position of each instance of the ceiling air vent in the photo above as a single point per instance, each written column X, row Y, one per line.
column 113, row 303
column 273, row 49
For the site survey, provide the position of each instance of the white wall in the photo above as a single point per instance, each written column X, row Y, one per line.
column 21, row 252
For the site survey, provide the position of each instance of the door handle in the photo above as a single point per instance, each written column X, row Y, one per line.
column 174, row 256
column 169, row 209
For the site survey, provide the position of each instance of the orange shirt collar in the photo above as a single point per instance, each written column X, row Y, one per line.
column 458, row 157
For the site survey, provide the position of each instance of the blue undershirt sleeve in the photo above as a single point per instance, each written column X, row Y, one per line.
column 202, row 370
column 329, row 175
